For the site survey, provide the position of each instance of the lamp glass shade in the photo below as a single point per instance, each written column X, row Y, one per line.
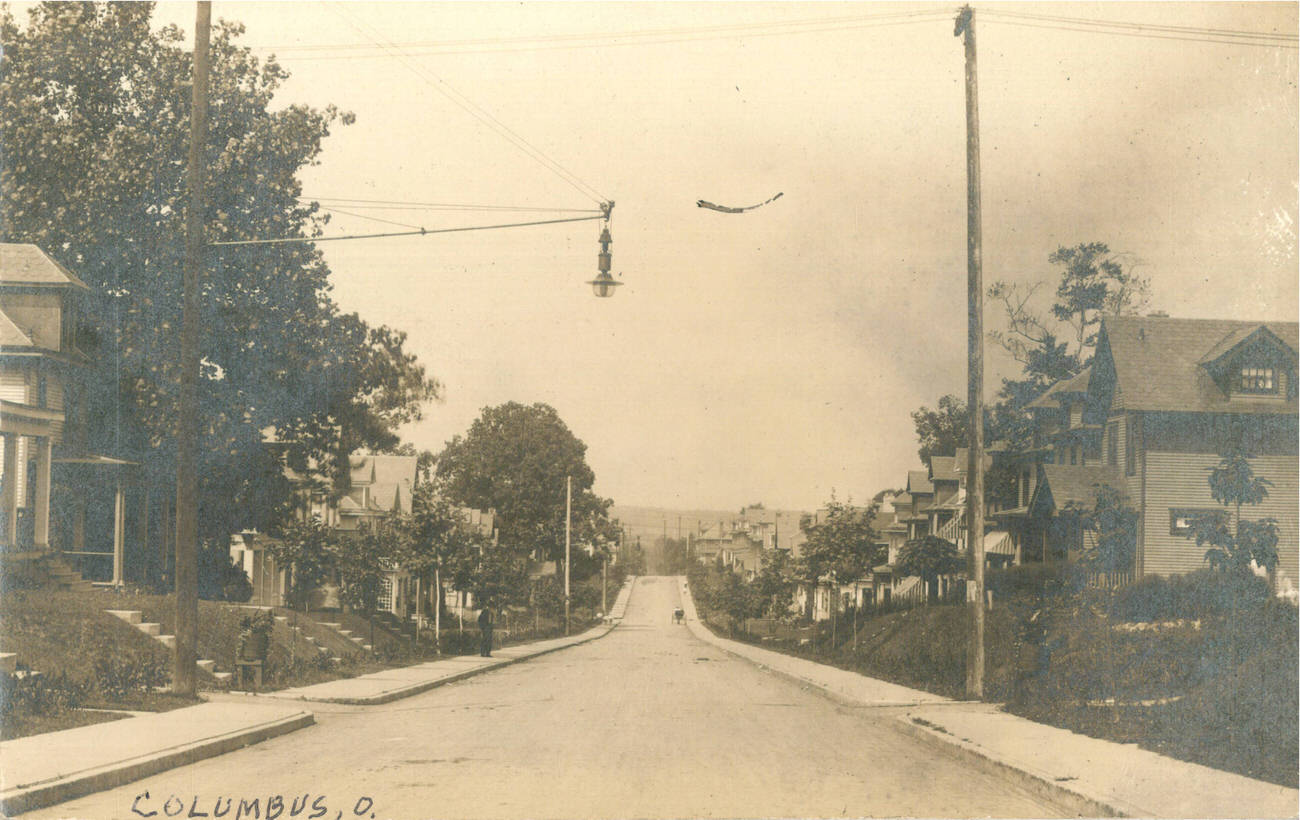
column 603, row 286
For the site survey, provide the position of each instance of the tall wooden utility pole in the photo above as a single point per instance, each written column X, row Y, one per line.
column 975, row 375
column 187, row 435
column 568, row 515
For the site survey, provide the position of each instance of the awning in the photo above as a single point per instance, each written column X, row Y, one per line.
column 999, row 542
column 96, row 461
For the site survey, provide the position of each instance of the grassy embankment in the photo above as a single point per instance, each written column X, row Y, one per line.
column 1202, row 667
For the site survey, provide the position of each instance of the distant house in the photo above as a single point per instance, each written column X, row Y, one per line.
column 1163, row 400
column 739, row 545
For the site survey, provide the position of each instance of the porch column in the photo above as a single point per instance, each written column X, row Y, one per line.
column 144, row 529
column 10, row 492
column 41, row 499
column 119, row 530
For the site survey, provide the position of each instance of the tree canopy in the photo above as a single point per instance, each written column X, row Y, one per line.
column 840, row 544
column 514, row 459
column 95, row 109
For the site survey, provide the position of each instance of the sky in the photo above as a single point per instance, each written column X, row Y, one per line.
column 772, row 356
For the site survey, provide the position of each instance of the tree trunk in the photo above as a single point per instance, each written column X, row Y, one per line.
column 437, row 611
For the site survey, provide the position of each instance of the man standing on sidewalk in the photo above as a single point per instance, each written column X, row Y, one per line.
column 485, row 631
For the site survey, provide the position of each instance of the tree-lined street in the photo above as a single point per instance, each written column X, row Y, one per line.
column 646, row 722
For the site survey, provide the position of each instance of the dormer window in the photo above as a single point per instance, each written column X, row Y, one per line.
column 1258, row 380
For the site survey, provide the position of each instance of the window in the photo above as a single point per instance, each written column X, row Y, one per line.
column 1074, row 455
column 1181, row 520
column 1112, row 444
column 1257, row 380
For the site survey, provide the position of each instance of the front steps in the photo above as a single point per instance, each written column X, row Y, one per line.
column 135, row 618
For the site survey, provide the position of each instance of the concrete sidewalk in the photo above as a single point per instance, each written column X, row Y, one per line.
column 1092, row 777
column 403, row 682
column 42, row 770
column 45, row 769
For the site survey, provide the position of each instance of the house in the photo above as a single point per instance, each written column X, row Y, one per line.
column 739, row 545
column 1162, row 401
column 57, row 495
column 379, row 484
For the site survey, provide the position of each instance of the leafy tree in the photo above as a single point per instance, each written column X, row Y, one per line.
column 363, row 559
column 439, row 544
column 838, row 547
column 1115, row 525
column 94, row 107
column 774, row 584
column 514, row 459
column 1093, row 282
column 1233, row 483
column 942, row 430
column 306, row 548
column 737, row 599
column 929, row 558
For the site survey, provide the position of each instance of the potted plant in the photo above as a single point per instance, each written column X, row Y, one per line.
column 255, row 636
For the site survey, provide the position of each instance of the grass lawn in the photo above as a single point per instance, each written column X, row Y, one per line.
column 16, row 726
column 57, row 631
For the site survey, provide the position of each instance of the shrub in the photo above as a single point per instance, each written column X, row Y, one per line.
column 1202, row 594
column 40, row 694
column 1033, row 581
column 121, row 677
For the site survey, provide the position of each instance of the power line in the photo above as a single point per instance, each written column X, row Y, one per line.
column 403, row 205
column 442, row 87
column 418, row 232
column 996, row 18
column 724, row 30
column 371, row 218
column 1164, row 27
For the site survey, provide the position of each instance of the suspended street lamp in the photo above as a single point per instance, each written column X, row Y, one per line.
column 603, row 285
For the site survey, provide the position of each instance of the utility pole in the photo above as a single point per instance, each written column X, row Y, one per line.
column 568, row 516
column 187, row 435
column 975, row 374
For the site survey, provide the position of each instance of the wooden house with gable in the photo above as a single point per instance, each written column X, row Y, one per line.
column 1163, row 400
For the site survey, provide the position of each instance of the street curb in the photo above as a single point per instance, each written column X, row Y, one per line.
column 1040, row 785
column 1037, row 784
column 78, row 784
column 426, row 685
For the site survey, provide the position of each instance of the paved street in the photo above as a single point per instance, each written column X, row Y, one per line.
column 646, row 722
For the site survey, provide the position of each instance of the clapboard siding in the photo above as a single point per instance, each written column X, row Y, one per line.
column 1179, row 480
column 13, row 386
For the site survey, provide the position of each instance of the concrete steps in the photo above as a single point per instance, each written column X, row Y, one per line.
column 136, row 618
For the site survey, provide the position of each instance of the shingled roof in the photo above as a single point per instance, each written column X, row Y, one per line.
column 1076, row 485
column 1050, row 398
column 29, row 266
column 1159, row 362
column 918, row 482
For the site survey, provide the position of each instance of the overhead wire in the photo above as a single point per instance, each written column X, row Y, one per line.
column 703, row 32
column 442, row 87
column 399, row 205
column 334, row 210
column 944, row 16
column 288, row 240
column 1165, row 27
column 1134, row 30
